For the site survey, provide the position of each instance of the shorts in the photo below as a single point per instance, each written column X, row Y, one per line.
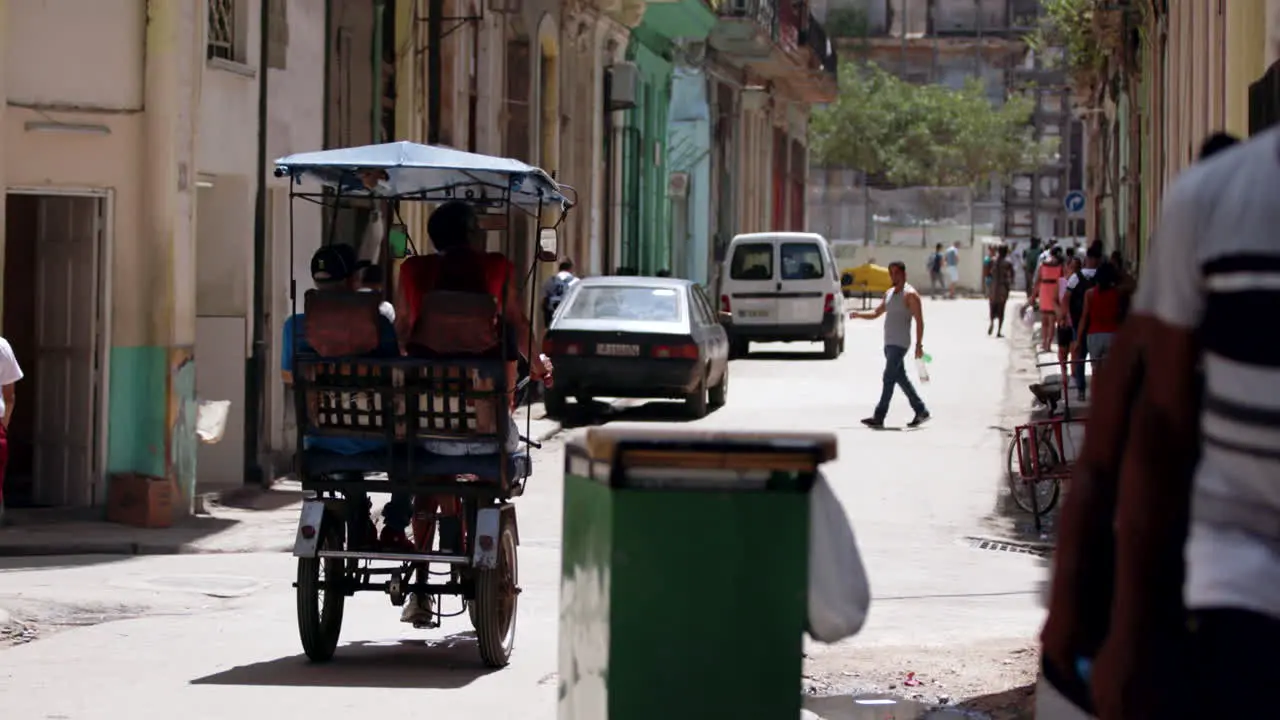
column 1065, row 336
column 952, row 274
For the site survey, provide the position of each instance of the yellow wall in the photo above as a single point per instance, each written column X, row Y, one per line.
column 1246, row 56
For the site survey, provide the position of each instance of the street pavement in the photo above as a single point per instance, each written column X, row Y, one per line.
column 215, row 636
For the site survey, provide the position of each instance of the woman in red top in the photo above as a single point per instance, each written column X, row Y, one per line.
column 1102, row 312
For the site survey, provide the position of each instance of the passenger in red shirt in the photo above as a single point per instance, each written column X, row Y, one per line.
column 459, row 265
column 456, row 235
column 1102, row 314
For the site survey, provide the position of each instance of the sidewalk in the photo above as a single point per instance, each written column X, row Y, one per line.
column 246, row 520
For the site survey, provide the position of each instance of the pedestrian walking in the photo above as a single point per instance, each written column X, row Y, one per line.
column 952, row 260
column 1047, row 288
column 1099, row 318
column 1030, row 262
column 555, row 290
column 1001, row 284
column 937, row 285
column 1078, row 283
column 901, row 305
column 10, row 374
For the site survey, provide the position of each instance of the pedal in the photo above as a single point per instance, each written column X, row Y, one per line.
column 430, row 625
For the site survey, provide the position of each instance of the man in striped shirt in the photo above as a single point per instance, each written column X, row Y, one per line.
column 1209, row 289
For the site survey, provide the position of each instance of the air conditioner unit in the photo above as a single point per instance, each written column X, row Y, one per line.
column 678, row 185
column 624, row 85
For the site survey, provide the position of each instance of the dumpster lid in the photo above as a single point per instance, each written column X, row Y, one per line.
column 601, row 443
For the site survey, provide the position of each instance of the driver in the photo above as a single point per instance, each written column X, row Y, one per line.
column 459, row 262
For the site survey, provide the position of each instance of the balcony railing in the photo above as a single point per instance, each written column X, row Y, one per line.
column 815, row 36
column 762, row 11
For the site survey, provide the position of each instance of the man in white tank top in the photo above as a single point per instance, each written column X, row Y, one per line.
column 901, row 305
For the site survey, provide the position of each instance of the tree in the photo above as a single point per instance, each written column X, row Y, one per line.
column 922, row 134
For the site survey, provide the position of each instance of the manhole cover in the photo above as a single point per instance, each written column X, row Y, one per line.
column 1010, row 547
column 220, row 586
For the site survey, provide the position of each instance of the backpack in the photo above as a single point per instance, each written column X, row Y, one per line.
column 935, row 263
column 1076, row 300
column 559, row 288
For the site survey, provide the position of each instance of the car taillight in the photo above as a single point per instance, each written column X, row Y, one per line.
column 724, row 304
column 675, row 352
column 554, row 348
column 829, row 304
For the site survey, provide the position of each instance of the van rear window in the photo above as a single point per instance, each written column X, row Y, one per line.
column 752, row 261
column 801, row 261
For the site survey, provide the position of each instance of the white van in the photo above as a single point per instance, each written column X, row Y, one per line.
column 781, row 287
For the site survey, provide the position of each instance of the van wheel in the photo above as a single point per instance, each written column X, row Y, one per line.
column 696, row 401
column 841, row 345
column 831, row 348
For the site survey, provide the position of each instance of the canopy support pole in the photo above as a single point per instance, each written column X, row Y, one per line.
column 435, row 35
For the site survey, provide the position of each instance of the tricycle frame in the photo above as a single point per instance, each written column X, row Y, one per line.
column 479, row 537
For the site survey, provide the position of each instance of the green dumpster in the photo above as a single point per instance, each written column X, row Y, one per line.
column 684, row 573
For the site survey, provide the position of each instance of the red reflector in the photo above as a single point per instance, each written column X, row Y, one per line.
column 486, row 543
column 553, row 348
column 724, row 303
column 677, row 352
column 829, row 303
column 308, row 532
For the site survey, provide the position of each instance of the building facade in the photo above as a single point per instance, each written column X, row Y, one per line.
column 1175, row 72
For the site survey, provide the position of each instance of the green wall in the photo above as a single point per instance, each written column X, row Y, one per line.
column 646, row 230
column 137, row 403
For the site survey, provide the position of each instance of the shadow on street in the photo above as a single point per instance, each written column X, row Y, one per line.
column 445, row 663
column 598, row 412
column 783, row 355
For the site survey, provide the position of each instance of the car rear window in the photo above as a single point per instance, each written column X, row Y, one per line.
column 752, row 261
column 631, row 302
column 801, row 261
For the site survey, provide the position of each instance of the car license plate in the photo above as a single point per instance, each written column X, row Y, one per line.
column 754, row 313
column 615, row 350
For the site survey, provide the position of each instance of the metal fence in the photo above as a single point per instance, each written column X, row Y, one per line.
column 838, row 204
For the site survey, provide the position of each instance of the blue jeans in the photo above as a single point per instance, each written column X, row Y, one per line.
column 1081, row 362
column 895, row 373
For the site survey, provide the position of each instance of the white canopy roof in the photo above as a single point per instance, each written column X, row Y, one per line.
column 406, row 169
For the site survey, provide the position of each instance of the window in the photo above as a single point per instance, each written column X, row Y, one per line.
column 278, row 34
column 630, row 302
column 801, row 261
column 752, row 261
column 222, row 30
column 702, row 309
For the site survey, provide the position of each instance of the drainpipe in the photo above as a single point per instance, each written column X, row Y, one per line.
column 435, row 34
column 376, row 106
column 255, row 367
column 610, row 207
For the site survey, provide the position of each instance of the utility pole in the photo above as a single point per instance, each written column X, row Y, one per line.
column 435, row 36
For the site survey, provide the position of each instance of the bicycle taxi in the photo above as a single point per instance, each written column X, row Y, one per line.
column 404, row 404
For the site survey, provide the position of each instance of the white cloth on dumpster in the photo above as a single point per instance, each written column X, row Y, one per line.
column 839, row 594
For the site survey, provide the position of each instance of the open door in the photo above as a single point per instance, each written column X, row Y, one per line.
column 68, row 240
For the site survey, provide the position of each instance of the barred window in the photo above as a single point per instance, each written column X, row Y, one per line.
column 222, row 30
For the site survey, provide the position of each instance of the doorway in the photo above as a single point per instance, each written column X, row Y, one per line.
column 53, row 318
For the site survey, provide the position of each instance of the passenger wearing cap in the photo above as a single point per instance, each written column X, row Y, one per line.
column 333, row 269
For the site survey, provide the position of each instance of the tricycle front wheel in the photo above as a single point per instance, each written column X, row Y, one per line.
column 320, row 599
column 493, row 612
column 1035, row 495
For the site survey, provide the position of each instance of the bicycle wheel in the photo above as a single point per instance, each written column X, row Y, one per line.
column 1046, row 490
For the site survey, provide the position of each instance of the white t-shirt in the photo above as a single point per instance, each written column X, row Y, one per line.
column 1073, row 280
column 10, row 372
column 1214, row 267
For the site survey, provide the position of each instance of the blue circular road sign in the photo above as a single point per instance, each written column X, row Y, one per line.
column 1074, row 201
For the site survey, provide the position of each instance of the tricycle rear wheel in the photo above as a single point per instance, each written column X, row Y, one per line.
column 493, row 612
column 320, row 599
column 1034, row 495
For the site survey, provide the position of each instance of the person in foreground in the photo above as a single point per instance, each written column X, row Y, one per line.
column 901, row 305
column 1167, row 575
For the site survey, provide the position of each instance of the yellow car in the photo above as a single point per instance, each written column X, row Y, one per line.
column 865, row 280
